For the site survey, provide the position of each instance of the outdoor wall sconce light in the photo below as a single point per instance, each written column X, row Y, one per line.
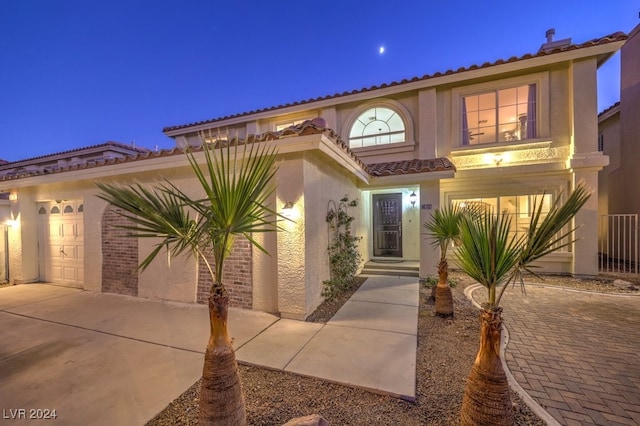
column 13, row 196
column 288, row 205
column 413, row 197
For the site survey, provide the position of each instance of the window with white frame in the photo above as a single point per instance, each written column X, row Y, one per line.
column 518, row 207
column 377, row 126
column 501, row 115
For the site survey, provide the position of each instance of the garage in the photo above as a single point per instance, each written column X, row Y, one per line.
column 61, row 242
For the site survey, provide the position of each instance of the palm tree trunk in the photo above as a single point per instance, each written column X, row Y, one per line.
column 487, row 399
column 444, row 296
column 221, row 401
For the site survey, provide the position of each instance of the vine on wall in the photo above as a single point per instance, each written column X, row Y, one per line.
column 344, row 257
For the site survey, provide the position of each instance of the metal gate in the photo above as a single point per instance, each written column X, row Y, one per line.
column 618, row 243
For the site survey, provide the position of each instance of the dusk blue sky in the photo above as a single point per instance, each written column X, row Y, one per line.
column 80, row 73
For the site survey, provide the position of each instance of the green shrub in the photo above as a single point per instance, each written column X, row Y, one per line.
column 344, row 257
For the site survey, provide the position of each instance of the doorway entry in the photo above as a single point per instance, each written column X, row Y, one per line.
column 387, row 225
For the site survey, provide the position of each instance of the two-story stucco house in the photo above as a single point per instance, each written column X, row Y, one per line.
column 500, row 133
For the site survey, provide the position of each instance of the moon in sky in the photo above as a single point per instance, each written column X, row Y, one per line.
column 381, row 50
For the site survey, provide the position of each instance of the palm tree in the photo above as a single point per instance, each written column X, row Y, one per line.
column 494, row 257
column 444, row 228
column 236, row 186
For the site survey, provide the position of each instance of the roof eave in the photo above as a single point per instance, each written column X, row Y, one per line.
column 409, row 178
column 601, row 51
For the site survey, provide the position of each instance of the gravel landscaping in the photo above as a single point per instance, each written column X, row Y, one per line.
column 446, row 350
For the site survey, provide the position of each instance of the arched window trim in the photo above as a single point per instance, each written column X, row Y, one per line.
column 391, row 104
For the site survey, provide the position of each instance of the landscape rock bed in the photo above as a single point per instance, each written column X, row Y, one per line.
column 446, row 350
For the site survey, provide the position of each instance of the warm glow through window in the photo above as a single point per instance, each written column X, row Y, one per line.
column 377, row 126
column 499, row 116
column 518, row 207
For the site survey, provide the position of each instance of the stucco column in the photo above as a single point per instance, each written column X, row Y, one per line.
column 585, row 106
column 585, row 249
column 265, row 269
column 291, row 240
column 427, row 127
column 23, row 240
column 429, row 201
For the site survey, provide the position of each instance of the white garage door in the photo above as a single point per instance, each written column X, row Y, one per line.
column 61, row 249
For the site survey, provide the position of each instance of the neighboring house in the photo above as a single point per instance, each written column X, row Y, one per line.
column 619, row 138
column 500, row 133
column 619, row 135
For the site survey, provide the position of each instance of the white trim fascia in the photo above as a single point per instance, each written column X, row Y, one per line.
column 284, row 146
column 493, row 173
column 455, row 77
column 343, row 158
column 609, row 113
column 53, row 158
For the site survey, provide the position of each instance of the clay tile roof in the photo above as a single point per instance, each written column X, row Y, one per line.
column 71, row 151
column 412, row 166
column 617, row 104
column 309, row 127
column 3, row 162
column 618, row 36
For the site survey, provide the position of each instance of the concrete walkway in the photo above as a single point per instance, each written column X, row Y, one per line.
column 106, row 359
column 577, row 354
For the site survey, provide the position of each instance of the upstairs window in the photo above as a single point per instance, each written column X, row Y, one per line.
column 601, row 142
column 292, row 123
column 503, row 115
column 377, row 126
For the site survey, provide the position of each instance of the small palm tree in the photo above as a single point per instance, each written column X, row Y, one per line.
column 444, row 229
column 489, row 254
column 236, row 186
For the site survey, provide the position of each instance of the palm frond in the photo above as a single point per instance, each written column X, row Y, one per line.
column 444, row 227
column 236, row 184
column 487, row 251
column 545, row 236
column 153, row 214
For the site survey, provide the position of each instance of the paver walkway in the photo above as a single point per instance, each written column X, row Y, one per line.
column 576, row 353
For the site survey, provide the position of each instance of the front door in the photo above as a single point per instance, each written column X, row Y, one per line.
column 387, row 225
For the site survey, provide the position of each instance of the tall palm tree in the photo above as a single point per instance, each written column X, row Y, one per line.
column 236, row 186
column 494, row 257
column 444, row 228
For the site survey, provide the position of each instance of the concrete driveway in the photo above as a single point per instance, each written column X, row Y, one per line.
column 99, row 358
column 71, row 351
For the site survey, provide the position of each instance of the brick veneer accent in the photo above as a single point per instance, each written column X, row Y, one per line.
column 237, row 276
column 119, row 255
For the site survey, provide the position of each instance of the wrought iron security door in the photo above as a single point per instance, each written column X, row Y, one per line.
column 387, row 225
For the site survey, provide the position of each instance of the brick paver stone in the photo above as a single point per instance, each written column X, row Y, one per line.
column 576, row 353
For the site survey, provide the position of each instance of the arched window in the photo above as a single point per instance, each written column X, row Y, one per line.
column 68, row 209
column 377, row 126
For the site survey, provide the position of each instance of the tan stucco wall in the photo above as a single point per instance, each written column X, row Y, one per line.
column 309, row 182
column 5, row 223
column 429, row 255
column 265, row 269
column 629, row 122
column 611, row 191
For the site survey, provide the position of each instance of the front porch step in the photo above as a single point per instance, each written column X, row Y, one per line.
column 402, row 269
